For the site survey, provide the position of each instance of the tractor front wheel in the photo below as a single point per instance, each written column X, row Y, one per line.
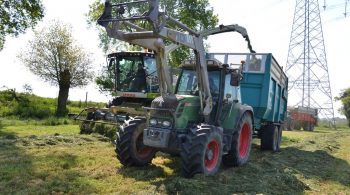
column 201, row 152
column 129, row 144
column 241, row 143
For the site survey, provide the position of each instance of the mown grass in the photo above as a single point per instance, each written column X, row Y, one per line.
column 56, row 159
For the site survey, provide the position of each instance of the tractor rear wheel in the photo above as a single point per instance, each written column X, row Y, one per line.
column 129, row 144
column 271, row 137
column 241, row 143
column 201, row 152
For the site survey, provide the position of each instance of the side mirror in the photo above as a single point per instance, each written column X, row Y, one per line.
column 235, row 79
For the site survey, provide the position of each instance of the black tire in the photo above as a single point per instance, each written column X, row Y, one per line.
column 201, row 152
column 297, row 126
column 307, row 126
column 241, row 143
column 129, row 144
column 279, row 139
column 312, row 127
column 271, row 137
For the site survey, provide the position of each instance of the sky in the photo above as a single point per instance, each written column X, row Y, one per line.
column 268, row 23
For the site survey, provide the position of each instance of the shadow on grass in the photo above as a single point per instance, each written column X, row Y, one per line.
column 318, row 165
column 31, row 170
column 6, row 134
column 286, row 172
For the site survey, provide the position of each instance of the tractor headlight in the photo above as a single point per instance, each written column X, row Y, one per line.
column 153, row 122
column 166, row 123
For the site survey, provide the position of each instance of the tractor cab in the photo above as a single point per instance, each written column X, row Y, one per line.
column 135, row 82
column 135, row 73
column 223, row 84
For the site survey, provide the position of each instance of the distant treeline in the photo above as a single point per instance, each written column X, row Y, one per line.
column 28, row 105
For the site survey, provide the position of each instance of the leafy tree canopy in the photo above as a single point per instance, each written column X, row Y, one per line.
column 16, row 16
column 55, row 57
column 344, row 97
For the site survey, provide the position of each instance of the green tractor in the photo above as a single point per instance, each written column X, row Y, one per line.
column 203, row 120
column 177, row 125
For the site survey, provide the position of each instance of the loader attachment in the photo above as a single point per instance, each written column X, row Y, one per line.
column 127, row 12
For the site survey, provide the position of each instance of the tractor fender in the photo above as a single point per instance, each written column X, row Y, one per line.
column 241, row 109
column 230, row 124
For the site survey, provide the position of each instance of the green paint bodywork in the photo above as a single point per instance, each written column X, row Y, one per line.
column 188, row 110
column 230, row 113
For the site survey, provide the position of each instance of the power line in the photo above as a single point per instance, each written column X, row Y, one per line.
column 337, row 6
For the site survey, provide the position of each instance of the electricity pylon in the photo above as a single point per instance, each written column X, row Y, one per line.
column 307, row 68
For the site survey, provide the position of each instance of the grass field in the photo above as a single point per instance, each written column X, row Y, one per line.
column 37, row 159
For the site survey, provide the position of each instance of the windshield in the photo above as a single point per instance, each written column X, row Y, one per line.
column 188, row 83
column 136, row 74
column 151, row 75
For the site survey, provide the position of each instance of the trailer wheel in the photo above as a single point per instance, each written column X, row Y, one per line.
column 201, row 152
column 297, row 126
column 271, row 136
column 130, row 149
column 307, row 126
column 241, row 143
column 312, row 127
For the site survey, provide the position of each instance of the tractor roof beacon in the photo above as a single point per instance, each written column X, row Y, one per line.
column 203, row 119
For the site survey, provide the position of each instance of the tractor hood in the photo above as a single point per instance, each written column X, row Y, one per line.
column 187, row 111
column 182, row 110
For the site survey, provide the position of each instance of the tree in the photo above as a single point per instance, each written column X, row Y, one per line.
column 55, row 57
column 196, row 14
column 27, row 89
column 344, row 97
column 105, row 81
column 17, row 16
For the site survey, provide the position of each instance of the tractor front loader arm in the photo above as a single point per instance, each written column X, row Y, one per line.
column 126, row 28
column 115, row 23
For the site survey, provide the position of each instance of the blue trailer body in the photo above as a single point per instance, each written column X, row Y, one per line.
column 264, row 87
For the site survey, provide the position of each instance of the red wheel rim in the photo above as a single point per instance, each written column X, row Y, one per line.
column 211, row 155
column 142, row 150
column 244, row 140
